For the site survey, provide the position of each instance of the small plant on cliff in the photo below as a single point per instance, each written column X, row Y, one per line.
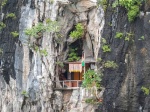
column 78, row 32
column 11, row 15
column 4, row 3
column 2, row 25
column 141, row 38
column 106, row 48
column 44, row 52
column 91, row 78
column 110, row 64
column 15, row 34
column 103, row 3
column 119, row 35
column 145, row 90
column 24, row 93
column 37, row 30
column 51, row 1
column 1, row 51
column 73, row 56
column 59, row 63
column 132, row 7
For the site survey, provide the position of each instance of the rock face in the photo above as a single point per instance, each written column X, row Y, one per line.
column 123, row 85
column 27, row 77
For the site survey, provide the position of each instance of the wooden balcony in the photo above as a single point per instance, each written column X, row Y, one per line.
column 69, row 84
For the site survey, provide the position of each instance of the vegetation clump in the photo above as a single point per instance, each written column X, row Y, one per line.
column 110, row 64
column 2, row 25
column 44, row 52
column 73, row 56
column 91, row 78
column 145, row 90
column 37, row 30
column 103, row 3
column 132, row 7
column 78, row 32
column 24, row 93
column 4, row 3
column 119, row 35
column 11, row 15
column 15, row 34
column 105, row 47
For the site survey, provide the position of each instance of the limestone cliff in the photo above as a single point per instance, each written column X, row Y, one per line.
column 27, row 78
column 29, row 71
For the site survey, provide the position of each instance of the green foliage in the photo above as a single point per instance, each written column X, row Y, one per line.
column 119, row 35
column 127, row 39
column 15, row 34
column 103, row 3
column 141, row 38
column 11, row 15
column 110, row 64
column 145, row 90
column 78, row 32
column 91, row 78
column 24, row 93
column 51, row 1
column 1, row 51
column 133, row 13
column 59, row 63
column 44, row 52
column 2, row 25
column 92, row 101
column 4, row 3
column 39, row 28
column 73, row 56
column 106, row 48
column 36, row 31
column 104, row 41
column 132, row 7
column 99, row 59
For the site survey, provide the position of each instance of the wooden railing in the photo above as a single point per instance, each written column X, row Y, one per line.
column 70, row 83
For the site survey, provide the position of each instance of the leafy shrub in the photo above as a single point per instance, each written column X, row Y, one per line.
column 110, row 64
column 106, row 48
column 11, row 15
column 141, row 38
column 36, row 31
column 90, row 78
column 4, row 3
column 79, row 31
column 133, row 12
column 132, row 7
column 2, row 25
column 15, row 34
column 24, row 93
column 103, row 3
column 119, row 35
column 59, row 63
column 1, row 51
column 145, row 90
column 39, row 28
column 44, row 52
column 73, row 56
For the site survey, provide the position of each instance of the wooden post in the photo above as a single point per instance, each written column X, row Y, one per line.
column 84, row 62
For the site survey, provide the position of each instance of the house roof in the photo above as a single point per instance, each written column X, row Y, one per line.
column 87, row 60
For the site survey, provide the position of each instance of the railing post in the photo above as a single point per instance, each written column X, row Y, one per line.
column 63, row 84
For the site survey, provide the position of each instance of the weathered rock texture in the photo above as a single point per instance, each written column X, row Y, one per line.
column 123, row 84
column 27, row 77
